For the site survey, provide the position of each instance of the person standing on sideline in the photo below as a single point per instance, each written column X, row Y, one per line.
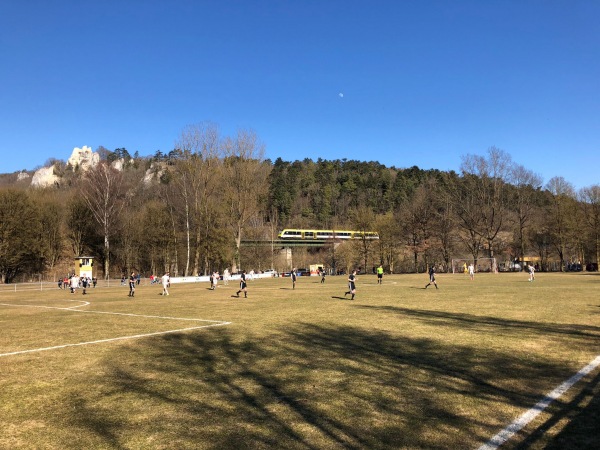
column 431, row 277
column 293, row 275
column 380, row 274
column 166, row 282
column 471, row 271
column 131, row 284
column 351, row 284
column 243, row 286
column 531, row 272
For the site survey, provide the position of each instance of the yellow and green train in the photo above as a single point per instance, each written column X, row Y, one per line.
column 294, row 233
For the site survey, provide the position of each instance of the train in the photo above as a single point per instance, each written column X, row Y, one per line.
column 293, row 233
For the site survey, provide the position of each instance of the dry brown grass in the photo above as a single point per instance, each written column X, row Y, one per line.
column 399, row 367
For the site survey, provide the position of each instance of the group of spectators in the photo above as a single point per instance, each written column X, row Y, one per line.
column 74, row 282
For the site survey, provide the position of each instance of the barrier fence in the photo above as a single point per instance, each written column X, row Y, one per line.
column 112, row 283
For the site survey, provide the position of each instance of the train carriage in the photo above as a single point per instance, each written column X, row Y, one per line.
column 294, row 233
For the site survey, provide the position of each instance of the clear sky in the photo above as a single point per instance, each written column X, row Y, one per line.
column 402, row 82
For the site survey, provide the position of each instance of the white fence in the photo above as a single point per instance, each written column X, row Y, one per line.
column 112, row 283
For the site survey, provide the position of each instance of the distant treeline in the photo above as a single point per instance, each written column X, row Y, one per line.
column 189, row 211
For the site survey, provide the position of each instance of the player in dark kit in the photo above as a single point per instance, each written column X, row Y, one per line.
column 132, row 285
column 243, row 287
column 294, row 276
column 351, row 284
column 431, row 278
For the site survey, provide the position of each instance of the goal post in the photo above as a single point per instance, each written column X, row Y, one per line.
column 460, row 265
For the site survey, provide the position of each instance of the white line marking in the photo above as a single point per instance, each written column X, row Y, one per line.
column 214, row 323
column 108, row 312
column 83, row 303
column 527, row 417
column 122, row 338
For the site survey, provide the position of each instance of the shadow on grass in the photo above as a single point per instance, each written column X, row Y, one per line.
column 583, row 420
column 312, row 386
column 448, row 319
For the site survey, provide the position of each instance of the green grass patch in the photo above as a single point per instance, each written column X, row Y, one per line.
column 398, row 367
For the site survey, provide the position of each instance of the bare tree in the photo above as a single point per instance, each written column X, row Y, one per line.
column 364, row 220
column 79, row 227
column 523, row 203
column 157, row 244
column 444, row 222
column 416, row 220
column 169, row 193
column 247, row 176
column 202, row 167
column 348, row 254
column 489, row 177
column 102, row 190
column 184, row 179
column 389, row 242
column 560, row 219
column 273, row 224
column 129, row 240
column 50, row 213
column 590, row 203
column 466, row 208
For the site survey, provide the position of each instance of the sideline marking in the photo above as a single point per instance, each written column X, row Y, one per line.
column 214, row 323
column 527, row 417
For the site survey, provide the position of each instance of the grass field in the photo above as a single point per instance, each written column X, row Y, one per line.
column 398, row 367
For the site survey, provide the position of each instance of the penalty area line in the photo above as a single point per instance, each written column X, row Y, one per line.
column 72, row 309
column 121, row 338
column 538, row 408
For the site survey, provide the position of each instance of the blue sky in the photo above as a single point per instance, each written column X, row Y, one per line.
column 407, row 82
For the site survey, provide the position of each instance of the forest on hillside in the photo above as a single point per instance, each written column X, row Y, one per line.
column 197, row 209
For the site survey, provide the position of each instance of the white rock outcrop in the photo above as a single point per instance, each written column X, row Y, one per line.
column 155, row 171
column 83, row 157
column 22, row 176
column 118, row 164
column 44, row 177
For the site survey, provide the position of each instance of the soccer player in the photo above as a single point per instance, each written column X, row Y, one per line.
column 166, row 281
column 243, row 285
column 531, row 272
column 293, row 275
column 431, row 278
column 471, row 271
column 351, row 285
column 74, row 281
column 132, row 284
column 380, row 274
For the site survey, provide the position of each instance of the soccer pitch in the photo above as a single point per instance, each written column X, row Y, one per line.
column 471, row 364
